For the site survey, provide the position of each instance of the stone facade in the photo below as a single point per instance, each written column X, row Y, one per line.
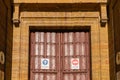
column 3, row 12
column 6, row 38
column 114, row 32
column 61, row 14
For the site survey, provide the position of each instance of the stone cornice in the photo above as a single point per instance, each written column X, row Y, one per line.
column 102, row 9
column 60, row 1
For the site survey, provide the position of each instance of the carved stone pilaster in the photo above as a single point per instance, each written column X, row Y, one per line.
column 16, row 14
column 103, row 10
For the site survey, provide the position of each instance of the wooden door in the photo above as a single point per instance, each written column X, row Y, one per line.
column 59, row 56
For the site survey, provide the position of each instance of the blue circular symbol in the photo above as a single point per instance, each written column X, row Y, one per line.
column 45, row 62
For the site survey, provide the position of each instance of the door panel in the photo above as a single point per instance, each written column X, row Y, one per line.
column 59, row 56
column 44, row 76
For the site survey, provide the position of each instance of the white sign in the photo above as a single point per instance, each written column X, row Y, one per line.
column 45, row 63
column 75, row 63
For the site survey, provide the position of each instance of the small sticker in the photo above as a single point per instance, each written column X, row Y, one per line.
column 44, row 63
column 75, row 63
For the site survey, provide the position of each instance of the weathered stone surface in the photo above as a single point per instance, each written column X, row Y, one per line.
column 58, row 20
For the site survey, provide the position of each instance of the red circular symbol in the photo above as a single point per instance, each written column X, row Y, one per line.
column 75, row 62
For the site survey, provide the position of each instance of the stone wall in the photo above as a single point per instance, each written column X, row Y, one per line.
column 116, row 25
column 41, row 16
column 6, row 38
column 8, row 64
column 3, row 29
column 114, row 36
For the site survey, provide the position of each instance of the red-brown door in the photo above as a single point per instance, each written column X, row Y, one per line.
column 59, row 56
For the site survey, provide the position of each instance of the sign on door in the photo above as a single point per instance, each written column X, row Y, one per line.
column 44, row 63
column 75, row 63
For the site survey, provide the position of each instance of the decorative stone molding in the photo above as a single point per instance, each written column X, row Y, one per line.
column 2, row 57
column 118, row 75
column 118, row 58
column 103, row 10
column 16, row 14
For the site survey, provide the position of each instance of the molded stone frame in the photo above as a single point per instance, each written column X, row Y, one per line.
column 99, row 40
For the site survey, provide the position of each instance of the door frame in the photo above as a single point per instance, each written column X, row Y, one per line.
column 82, row 19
